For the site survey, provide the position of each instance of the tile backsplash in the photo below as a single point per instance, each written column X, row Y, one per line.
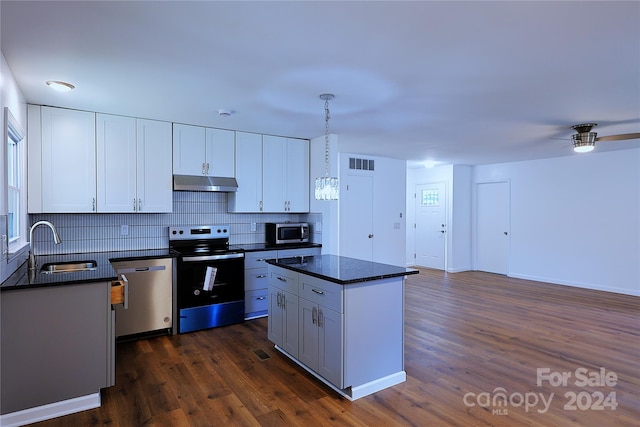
column 102, row 232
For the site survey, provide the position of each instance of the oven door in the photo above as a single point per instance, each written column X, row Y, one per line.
column 210, row 291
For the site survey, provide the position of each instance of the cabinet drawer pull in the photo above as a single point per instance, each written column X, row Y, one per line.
column 282, row 279
column 317, row 291
column 261, row 276
column 261, row 298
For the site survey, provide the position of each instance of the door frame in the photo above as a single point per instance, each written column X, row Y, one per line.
column 474, row 244
column 445, row 183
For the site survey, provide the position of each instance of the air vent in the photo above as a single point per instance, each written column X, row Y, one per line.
column 360, row 164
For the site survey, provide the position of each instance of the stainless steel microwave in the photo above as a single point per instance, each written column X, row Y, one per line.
column 288, row 232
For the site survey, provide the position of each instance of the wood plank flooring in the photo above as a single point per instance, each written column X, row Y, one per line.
column 468, row 337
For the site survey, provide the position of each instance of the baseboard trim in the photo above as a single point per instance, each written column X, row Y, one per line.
column 593, row 287
column 49, row 411
column 354, row 393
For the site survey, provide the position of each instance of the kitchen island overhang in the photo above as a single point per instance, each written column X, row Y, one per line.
column 341, row 319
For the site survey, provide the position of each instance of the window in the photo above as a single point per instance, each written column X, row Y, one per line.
column 15, row 172
column 430, row 198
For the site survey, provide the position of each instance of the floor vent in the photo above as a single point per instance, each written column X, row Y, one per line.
column 262, row 355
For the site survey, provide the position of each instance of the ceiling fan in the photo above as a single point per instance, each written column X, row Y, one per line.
column 585, row 140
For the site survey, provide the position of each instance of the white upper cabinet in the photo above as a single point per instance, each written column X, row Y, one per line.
column 220, row 152
column 87, row 162
column 285, row 169
column 203, row 151
column 62, row 160
column 116, row 165
column 189, row 150
column 248, row 159
column 134, row 165
column 154, row 177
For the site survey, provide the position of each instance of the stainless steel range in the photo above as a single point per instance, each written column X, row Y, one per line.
column 210, row 277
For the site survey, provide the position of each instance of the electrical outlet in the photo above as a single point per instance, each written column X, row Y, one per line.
column 124, row 230
column 254, row 226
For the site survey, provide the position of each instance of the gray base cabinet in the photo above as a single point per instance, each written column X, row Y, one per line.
column 256, row 301
column 57, row 344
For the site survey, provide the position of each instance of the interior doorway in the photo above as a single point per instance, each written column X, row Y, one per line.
column 431, row 225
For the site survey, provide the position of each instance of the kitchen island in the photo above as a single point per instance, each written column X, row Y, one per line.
column 341, row 319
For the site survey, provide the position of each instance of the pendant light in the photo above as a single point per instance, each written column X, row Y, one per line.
column 327, row 188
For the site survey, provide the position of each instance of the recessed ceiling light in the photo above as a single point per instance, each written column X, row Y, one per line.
column 60, row 86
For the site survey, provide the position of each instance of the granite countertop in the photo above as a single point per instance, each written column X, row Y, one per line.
column 341, row 270
column 104, row 272
column 254, row 247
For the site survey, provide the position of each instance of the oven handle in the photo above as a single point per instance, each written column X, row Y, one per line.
column 211, row 257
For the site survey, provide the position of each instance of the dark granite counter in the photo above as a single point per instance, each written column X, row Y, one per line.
column 254, row 247
column 341, row 270
column 103, row 272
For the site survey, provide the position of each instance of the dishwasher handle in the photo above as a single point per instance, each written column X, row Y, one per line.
column 126, row 291
column 141, row 269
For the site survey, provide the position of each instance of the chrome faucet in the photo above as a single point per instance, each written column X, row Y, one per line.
column 56, row 238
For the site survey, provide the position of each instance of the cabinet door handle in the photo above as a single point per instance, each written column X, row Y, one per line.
column 320, row 319
column 317, row 291
column 314, row 316
column 93, row 206
column 134, row 205
column 139, row 205
column 279, row 300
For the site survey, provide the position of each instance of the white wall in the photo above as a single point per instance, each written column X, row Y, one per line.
column 575, row 220
column 10, row 96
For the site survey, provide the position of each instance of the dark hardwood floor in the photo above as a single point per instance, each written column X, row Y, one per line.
column 470, row 338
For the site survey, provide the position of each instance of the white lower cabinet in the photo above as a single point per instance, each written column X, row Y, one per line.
column 349, row 336
column 320, row 341
column 283, row 310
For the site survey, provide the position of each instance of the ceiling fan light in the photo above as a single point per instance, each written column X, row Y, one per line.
column 60, row 86
column 584, row 142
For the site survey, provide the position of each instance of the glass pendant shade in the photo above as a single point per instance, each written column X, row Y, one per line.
column 327, row 188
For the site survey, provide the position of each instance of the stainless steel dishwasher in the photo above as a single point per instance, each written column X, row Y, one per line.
column 150, row 298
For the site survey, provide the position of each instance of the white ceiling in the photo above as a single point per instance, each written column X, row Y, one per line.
column 456, row 82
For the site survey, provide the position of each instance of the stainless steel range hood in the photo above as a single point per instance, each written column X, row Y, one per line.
column 204, row 183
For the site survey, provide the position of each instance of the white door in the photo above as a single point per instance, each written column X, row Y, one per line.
column 492, row 227
column 431, row 225
column 356, row 237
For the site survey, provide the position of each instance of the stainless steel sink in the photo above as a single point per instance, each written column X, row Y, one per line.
column 69, row 266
